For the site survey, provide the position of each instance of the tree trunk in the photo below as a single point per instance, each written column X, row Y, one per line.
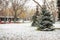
column 58, row 5
column 15, row 17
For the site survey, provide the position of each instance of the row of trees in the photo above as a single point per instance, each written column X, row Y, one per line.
column 12, row 8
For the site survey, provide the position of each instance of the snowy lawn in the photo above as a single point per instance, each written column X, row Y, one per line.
column 24, row 31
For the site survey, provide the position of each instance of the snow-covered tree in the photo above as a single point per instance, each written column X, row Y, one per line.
column 44, row 21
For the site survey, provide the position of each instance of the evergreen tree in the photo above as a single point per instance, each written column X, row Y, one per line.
column 35, row 16
column 44, row 21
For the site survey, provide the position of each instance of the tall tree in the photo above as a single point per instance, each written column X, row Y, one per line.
column 3, row 6
column 16, row 5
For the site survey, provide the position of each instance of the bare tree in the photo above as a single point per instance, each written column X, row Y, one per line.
column 3, row 6
column 16, row 6
column 52, row 7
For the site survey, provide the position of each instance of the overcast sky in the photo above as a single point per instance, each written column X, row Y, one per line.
column 31, row 3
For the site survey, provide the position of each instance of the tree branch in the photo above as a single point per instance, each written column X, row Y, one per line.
column 37, row 3
column 47, row 5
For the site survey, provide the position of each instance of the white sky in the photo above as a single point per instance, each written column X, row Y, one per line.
column 32, row 4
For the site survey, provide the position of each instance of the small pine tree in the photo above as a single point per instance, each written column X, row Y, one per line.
column 35, row 16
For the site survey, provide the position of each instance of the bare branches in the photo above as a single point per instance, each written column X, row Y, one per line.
column 18, row 5
column 37, row 3
column 47, row 4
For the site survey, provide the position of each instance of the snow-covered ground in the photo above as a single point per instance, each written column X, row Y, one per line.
column 57, row 24
column 24, row 31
